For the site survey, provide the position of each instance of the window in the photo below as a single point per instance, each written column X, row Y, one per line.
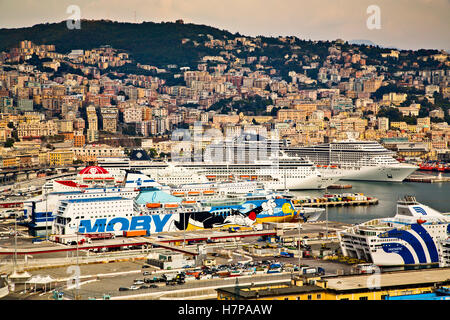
column 309, row 297
column 363, row 298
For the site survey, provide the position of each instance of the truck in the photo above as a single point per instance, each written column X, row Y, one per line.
column 72, row 239
column 154, row 280
column 366, row 268
column 312, row 270
column 274, row 268
column 286, row 254
column 173, row 279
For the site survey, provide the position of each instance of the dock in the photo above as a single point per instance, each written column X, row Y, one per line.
column 345, row 203
column 340, row 186
column 427, row 179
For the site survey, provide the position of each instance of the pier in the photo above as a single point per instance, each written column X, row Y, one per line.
column 346, row 203
column 427, row 179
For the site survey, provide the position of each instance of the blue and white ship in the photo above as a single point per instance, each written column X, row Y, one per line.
column 40, row 211
column 156, row 211
column 412, row 237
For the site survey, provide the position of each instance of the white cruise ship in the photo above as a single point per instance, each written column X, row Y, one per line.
column 414, row 236
column 355, row 160
column 279, row 172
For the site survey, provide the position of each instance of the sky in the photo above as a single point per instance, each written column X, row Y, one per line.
column 404, row 24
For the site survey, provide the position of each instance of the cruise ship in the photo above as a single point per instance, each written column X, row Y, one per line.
column 279, row 172
column 355, row 160
column 414, row 236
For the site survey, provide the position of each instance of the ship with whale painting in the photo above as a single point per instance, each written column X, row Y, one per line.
column 157, row 211
column 95, row 182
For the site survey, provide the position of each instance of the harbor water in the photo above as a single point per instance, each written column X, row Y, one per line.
column 435, row 195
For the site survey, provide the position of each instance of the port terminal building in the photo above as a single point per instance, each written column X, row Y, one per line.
column 383, row 286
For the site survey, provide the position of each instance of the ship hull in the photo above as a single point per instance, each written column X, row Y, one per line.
column 309, row 183
column 384, row 174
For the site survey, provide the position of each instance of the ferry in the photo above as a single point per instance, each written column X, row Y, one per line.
column 118, row 215
column 215, row 190
column 412, row 237
column 39, row 211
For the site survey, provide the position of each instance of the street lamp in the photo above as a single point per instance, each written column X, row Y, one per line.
column 299, row 248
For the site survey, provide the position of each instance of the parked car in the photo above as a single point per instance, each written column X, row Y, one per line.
column 123, row 289
column 134, row 288
column 147, row 273
column 138, row 282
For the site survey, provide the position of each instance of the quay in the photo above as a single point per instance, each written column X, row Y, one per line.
column 427, row 179
column 345, row 203
column 340, row 186
column 168, row 242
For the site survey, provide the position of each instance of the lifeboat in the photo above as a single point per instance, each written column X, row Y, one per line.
column 194, row 193
column 178, row 194
column 211, row 177
column 420, row 221
column 189, row 202
column 171, row 205
column 245, row 177
column 319, row 166
column 254, row 177
column 208, row 192
column 153, row 205
column 334, row 167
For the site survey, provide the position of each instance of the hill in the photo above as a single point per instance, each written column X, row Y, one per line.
column 152, row 43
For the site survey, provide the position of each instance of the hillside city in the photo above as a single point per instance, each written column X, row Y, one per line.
column 60, row 109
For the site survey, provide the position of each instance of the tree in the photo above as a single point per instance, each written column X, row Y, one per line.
column 9, row 143
column 153, row 153
column 393, row 114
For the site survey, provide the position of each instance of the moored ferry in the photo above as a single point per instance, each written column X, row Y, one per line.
column 412, row 237
column 156, row 211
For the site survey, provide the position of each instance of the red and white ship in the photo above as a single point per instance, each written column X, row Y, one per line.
column 89, row 177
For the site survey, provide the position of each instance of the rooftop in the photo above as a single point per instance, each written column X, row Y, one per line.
column 389, row 279
column 248, row 292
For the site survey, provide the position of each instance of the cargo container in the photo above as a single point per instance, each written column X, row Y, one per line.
column 135, row 233
column 99, row 236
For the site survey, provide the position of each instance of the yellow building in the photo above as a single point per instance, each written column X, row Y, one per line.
column 351, row 287
column 399, row 125
column 9, row 162
column 61, row 157
column 291, row 114
column 394, row 98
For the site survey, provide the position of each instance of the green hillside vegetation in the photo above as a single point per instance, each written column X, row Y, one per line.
column 151, row 43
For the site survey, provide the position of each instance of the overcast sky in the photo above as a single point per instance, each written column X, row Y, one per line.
column 405, row 24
